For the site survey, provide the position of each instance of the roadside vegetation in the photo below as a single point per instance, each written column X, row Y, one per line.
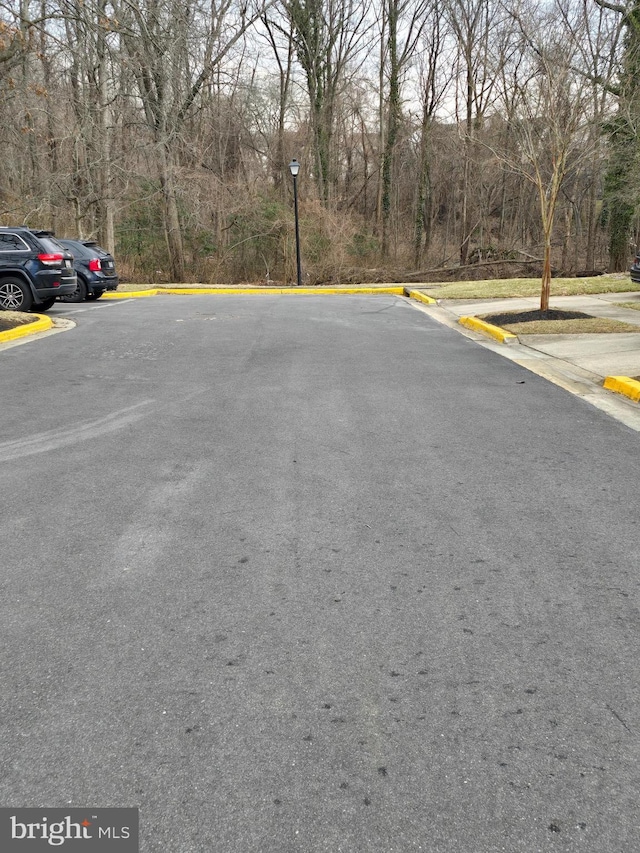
column 437, row 138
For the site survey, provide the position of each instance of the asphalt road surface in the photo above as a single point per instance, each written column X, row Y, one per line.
column 315, row 574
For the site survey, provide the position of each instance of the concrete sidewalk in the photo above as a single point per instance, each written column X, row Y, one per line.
column 601, row 354
column 584, row 365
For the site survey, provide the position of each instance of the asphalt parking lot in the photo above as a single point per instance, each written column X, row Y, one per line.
column 315, row 575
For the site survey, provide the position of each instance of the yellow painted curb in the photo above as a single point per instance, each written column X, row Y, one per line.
column 42, row 324
column 420, row 297
column 487, row 329
column 624, row 385
column 396, row 290
column 113, row 294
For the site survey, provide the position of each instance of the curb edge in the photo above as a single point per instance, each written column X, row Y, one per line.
column 623, row 385
column 395, row 290
column 419, row 296
column 42, row 324
column 487, row 329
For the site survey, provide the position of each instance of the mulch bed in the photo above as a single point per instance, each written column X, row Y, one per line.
column 529, row 316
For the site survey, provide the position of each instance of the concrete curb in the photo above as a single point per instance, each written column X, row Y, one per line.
column 111, row 294
column 396, row 290
column 487, row 329
column 42, row 324
column 420, row 297
column 624, row 385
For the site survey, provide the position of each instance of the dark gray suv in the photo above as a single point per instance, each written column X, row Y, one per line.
column 95, row 268
column 34, row 269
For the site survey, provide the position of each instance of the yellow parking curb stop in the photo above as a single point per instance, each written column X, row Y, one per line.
column 487, row 329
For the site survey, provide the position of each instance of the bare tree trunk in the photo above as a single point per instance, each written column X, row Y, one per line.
column 106, row 212
column 278, row 164
column 424, row 201
column 465, row 237
column 566, row 237
column 590, row 256
column 381, row 115
column 477, row 27
column 393, row 119
column 464, row 213
column 173, row 231
column 546, row 277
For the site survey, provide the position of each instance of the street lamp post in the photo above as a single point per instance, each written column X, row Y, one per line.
column 294, row 168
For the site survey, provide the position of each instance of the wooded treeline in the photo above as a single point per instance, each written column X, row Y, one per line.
column 431, row 133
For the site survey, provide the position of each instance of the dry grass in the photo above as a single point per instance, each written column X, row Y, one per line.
column 530, row 287
column 588, row 326
column 9, row 319
column 130, row 286
column 634, row 305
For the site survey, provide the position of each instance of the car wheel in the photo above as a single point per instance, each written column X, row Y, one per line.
column 95, row 295
column 44, row 306
column 78, row 295
column 14, row 295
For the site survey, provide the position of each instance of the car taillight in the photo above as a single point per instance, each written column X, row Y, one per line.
column 52, row 259
column 95, row 265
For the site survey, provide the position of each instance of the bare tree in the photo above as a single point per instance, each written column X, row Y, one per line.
column 165, row 127
column 433, row 85
column 402, row 24
column 622, row 176
column 174, row 50
column 283, row 55
column 594, row 34
column 15, row 35
column 91, row 72
column 473, row 22
column 328, row 37
column 549, row 109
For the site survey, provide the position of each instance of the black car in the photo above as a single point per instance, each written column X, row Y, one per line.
column 635, row 269
column 95, row 268
column 34, row 269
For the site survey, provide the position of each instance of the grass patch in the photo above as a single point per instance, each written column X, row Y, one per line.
column 634, row 305
column 129, row 287
column 530, row 287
